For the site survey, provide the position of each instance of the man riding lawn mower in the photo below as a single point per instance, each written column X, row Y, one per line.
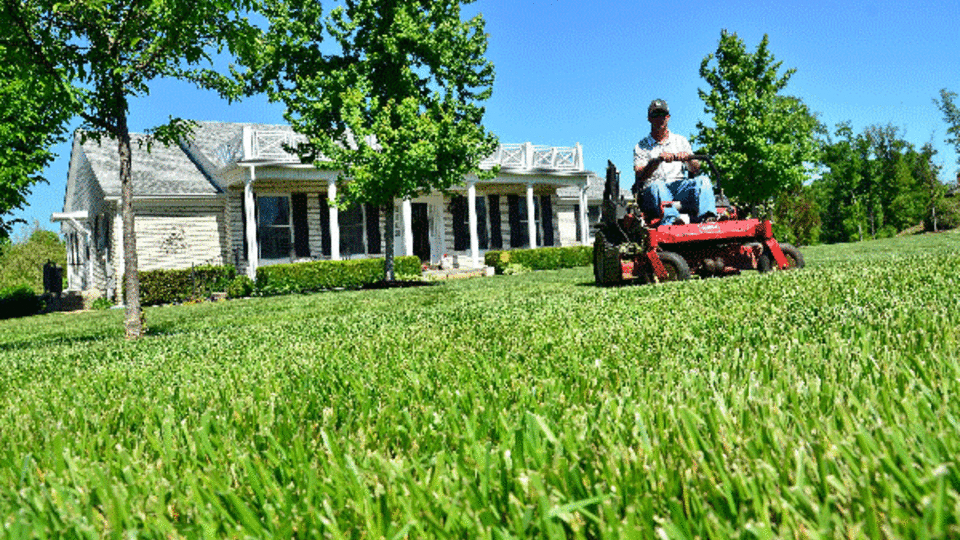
column 661, row 244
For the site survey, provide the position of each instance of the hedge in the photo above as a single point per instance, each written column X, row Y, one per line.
column 321, row 275
column 169, row 286
column 547, row 258
column 19, row 301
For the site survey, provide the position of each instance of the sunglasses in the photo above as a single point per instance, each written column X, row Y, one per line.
column 658, row 114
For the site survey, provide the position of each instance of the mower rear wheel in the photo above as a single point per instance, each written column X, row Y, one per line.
column 675, row 265
column 606, row 261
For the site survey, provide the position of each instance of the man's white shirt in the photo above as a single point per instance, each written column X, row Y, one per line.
column 648, row 148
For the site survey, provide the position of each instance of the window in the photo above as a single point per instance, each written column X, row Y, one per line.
column 459, row 207
column 73, row 249
column 524, row 221
column 351, row 231
column 482, row 234
column 273, row 226
column 519, row 224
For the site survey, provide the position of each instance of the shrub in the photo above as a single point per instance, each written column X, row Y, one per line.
column 240, row 287
column 167, row 286
column 322, row 275
column 515, row 269
column 19, row 301
column 547, row 258
column 101, row 303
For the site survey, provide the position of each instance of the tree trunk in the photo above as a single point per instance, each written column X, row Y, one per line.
column 388, row 229
column 133, row 321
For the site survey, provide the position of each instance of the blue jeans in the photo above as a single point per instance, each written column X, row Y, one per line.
column 695, row 197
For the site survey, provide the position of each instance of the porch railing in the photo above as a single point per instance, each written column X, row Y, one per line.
column 269, row 145
column 530, row 157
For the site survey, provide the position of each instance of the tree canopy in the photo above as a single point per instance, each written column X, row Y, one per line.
column 763, row 140
column 103, row 53
column 34, row 111
column 397, row 109
column 951, row 115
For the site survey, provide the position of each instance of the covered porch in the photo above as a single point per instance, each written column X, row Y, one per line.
column 290, row 207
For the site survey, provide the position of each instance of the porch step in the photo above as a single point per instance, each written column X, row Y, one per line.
column 456, row 273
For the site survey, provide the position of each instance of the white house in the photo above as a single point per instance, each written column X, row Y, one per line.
column 232, row 195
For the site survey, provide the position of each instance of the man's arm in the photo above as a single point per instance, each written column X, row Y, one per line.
column 642, row 174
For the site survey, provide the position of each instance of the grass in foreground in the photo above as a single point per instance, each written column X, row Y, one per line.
column 818, row 403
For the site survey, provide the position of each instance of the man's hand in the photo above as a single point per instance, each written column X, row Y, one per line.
column 679, row 156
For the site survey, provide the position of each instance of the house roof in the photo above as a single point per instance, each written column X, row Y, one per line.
column 220, row 144
column 195, row 167
column 162, row 171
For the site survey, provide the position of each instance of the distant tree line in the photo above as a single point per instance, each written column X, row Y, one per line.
column 781, row 162
column 876, row 184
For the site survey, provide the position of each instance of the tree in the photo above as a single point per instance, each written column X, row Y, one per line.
column 764, row 141
column 797, row 217
column 33, row 116
column 103, row 53
column 397, row 110
column 839, row 186
column 951, row 115
column 932, row 191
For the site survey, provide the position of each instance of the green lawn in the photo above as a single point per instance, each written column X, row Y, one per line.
column 823, row 402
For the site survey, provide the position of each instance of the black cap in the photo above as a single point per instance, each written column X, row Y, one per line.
column 658, row 105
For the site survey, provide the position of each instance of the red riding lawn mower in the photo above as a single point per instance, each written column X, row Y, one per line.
column 631, row 246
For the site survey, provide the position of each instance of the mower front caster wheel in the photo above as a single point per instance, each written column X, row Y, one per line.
column 675, row 265
column 766, row 261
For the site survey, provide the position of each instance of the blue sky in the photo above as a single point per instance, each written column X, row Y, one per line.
column 584, row 71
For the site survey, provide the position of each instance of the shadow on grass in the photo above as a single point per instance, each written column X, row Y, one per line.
column 34, row 343
column 397, row 284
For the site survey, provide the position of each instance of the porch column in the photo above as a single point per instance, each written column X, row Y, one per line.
column 584, row 230
column 472, row 208
column 334, row 220
column 88, row 249
column 253, row 252
column 531, row 217
column 118, row 267
column 407, row 227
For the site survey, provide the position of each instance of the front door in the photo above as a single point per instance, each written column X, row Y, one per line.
column 421, row 231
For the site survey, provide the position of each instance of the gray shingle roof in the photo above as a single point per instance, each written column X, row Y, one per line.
column 163, row 171
column 214, row 142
